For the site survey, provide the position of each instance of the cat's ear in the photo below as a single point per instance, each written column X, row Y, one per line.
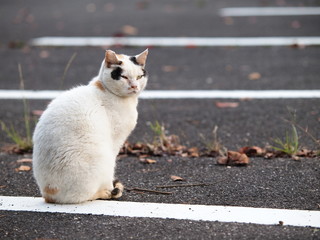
column 112, row 59
column 142, row 57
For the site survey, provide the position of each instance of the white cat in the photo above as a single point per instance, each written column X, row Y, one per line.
column 79, row 135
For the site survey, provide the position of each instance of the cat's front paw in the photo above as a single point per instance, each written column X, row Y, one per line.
column 118, row 189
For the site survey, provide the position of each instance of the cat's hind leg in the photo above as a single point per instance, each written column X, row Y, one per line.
column 118, row 189
column 106, row 194
column 102, row 194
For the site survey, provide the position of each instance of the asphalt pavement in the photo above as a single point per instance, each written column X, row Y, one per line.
column 281, row 183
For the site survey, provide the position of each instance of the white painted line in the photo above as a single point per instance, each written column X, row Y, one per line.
column 180, row 94
column 28, row 94
column 173, row 41
column 231, row 94
column 301, row 218
column 268, row 11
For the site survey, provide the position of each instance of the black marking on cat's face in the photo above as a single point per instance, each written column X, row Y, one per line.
column 145, row 73
column 134, row 60
column 116, row 73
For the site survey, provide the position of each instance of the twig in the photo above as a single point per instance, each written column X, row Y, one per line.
column 186, row 185
column 67, row 68
column 25, row 106
column 149, row 190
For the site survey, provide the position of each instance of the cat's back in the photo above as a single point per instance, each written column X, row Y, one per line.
column 75, row 101
column 69, row 114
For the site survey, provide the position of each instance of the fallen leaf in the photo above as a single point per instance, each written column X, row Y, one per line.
column 129, row 30
column 269, row 155
column 295, row 157
column 222, row 160
column 234, row 158
column 295, row 24
column 254, row 76
column 44, row 54
column 37, row 112
column 3, row 186
column 305, row 153
column 252, row 151
column 23, row 168
column 91, row 7
column 148, row 161
column 169, row 68
column 193, row 152
column 184, row 154
column 24, row 160
column 176, row 178
column 227, row 104
column 228, row 21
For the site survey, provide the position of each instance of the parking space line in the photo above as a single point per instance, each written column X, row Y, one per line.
column 174, row 41
column 268, row 11
column 266, row 216
column 179, row 94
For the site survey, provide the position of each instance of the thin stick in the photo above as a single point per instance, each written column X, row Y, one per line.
column 149, row 190
column 25, row 106
column 185, row 185
column 67, row 68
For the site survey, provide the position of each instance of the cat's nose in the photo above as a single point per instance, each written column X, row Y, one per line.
column 133, row 87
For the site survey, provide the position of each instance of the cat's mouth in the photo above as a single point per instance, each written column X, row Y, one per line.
column 133, row 92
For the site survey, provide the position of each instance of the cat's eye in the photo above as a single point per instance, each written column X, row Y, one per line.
column 139, row 77
column 125, row 77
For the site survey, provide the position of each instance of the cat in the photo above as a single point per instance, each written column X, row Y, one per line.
column 79, row 135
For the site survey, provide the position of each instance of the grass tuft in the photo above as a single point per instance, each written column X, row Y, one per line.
column 290, row 145
column 24, row 143
column 214, row 146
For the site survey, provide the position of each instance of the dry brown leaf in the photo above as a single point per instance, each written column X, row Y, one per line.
column 129, row 30
column 184, row 154
column 227, row 104
column 269, row 155
column 37, row 113
column 254, row 76
column 176, row 178
column 23, row 168
column 295, row 157
column 305, row 153
column 228, row 21
column 24, row 160
column 148, row 161
column 236, row 158
column 44, row 54
column 193, row 152
column 222, row 160
column 252, row 151
column 169, row 68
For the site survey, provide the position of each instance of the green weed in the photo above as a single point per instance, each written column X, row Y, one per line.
column 213, row 145
column 23, row 143
column 290, row 145
column 159, row 131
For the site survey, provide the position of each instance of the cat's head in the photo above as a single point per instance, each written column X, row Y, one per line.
column 124, row 75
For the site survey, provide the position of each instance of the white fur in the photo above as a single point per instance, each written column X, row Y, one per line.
column 79, row 135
